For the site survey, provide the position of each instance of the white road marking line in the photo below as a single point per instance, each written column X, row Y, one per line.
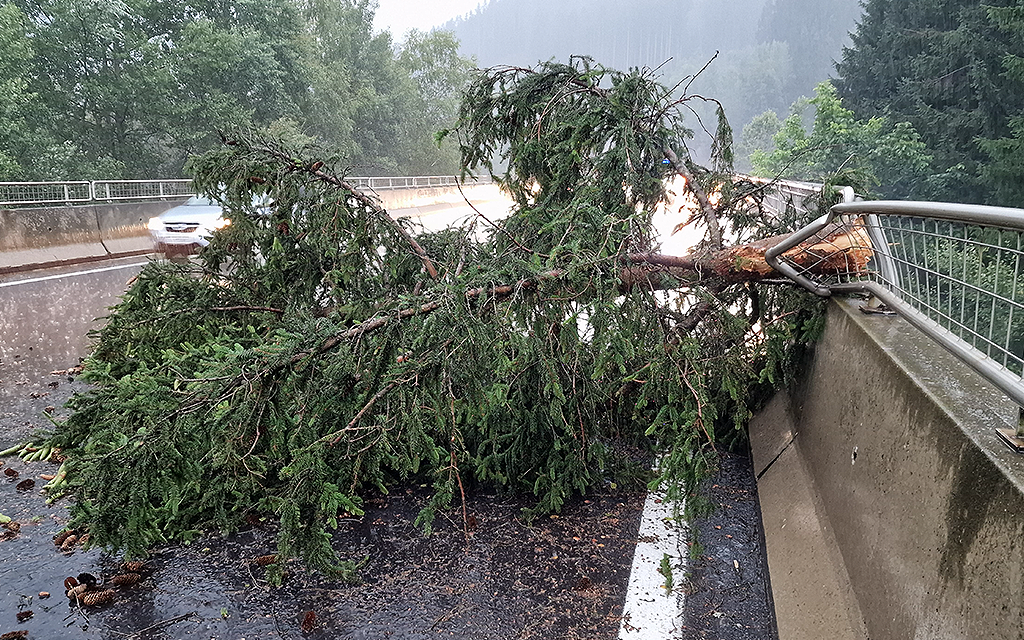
column 652, row 612
column 57, row 276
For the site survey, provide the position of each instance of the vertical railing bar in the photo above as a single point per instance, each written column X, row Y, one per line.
column 1013, row 296
column 977, row 296
column 926, row 260
column 949, row 291
column 995, row 287
column 963, row 277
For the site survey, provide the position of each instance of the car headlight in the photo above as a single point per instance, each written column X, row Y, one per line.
column 221, row 223
column 155, row 224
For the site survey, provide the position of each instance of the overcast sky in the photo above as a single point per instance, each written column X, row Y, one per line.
column 401, row 15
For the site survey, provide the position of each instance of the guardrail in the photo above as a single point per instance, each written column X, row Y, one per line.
column 22, row 193
column 954, row 271
column 81, row 191
column 141, row 189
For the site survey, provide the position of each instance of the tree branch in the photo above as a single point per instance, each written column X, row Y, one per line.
column 316, row 169
column 710, row 214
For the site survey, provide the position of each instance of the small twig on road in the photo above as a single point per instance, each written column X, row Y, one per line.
column 163, row 623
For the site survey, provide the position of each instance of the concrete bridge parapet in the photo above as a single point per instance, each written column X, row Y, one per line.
column 893, row 470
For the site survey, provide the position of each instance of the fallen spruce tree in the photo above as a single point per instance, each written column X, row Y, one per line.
column 319, row 350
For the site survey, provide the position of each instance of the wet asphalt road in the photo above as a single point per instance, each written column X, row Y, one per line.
column 560, row 577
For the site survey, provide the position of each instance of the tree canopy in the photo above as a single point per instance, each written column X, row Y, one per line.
column 874, row 154
column 132, row 89
column 319, row 351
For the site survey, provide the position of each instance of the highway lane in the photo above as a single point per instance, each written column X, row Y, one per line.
column 563, row 577
column 45, row 318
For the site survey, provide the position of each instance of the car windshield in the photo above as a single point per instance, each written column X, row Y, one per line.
column 199, row 200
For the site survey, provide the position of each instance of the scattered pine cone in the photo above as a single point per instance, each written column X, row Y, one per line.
column 70, row 583
column 25, row 615
column 263, row 561
column 69, row 543
column 83, row 539
column 94, row 598
column 10, row 473
column 13, row 526
column 62, row 536
column 14, row 635
column 125, row 579
column 77, row 591
column 25, row 485
column 308, row 622
column 134, row 566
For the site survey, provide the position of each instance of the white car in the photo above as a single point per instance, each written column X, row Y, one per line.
column 187, row 227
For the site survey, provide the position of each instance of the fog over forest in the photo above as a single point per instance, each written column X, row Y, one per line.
column 770, row 51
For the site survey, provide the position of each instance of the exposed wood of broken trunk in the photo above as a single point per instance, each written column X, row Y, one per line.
column 841, row 250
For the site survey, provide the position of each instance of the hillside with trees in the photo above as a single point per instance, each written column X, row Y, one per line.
column 770, row 52
column 926, row 105
column 132, row 89
column 950, row 68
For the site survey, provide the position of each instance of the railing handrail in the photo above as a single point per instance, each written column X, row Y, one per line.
column 101, row 190
column 1005, row 217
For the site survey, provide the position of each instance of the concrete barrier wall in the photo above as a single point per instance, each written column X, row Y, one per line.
column 52, row 235
column 35, row 237
column 410, row 198
column 925, row 505
column 123, row 226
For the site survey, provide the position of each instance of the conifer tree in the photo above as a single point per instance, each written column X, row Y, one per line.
column 319, row 350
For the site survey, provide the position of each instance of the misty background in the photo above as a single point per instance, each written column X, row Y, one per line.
column 770, row 52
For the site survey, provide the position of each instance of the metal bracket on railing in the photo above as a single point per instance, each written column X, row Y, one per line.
column 772, row 256
column 1014, row 438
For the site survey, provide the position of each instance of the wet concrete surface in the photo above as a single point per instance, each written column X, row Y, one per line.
column 558, row 577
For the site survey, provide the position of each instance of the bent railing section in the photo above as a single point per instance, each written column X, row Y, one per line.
column 954, row 271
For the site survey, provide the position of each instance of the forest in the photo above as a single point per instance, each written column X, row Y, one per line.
column 769, row 52
column 920, row 99
column 133, row 89
column 924, row 104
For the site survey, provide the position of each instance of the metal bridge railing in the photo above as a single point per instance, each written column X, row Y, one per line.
column 141, row 189
column 954, row 271
column 77, row 192
column 22, row 193
column 411, row 182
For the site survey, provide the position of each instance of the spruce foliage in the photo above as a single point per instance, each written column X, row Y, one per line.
column 318, row 350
